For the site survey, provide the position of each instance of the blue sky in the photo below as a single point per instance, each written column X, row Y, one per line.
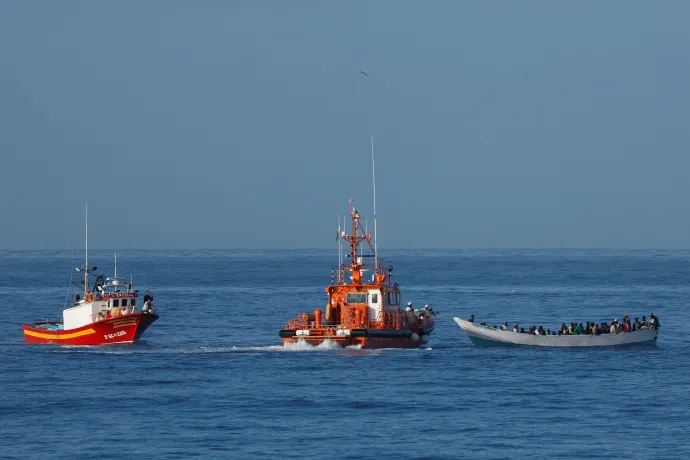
column 246, row 124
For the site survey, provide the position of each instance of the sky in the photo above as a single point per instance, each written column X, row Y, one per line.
column 246, row 124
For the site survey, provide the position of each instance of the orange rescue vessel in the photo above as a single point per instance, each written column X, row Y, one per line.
column 363, row 304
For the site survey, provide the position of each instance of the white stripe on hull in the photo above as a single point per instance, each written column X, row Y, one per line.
column 500, row 337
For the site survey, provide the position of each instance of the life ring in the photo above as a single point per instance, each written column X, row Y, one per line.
column 89, row 297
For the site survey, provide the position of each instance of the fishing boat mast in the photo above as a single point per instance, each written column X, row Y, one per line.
column 86, row 262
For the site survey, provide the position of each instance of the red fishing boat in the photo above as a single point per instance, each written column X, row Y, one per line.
column 107, row 314
column 363, row 304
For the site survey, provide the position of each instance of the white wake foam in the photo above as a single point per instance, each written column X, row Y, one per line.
column 301, row 345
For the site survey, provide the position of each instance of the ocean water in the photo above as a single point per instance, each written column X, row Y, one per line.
column 210, row 379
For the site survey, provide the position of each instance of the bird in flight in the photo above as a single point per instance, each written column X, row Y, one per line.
column 364, row 73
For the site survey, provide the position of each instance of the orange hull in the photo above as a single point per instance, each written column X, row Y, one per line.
column 119, row 330
column 357, row 341
column 366, row 338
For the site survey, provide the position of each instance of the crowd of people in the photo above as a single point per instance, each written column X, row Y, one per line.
column 614, row 327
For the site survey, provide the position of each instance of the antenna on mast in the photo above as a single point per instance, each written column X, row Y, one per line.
column 373, row 174
column 116, row 265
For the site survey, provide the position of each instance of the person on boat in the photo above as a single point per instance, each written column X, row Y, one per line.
column 148, row 297
column 409, row 310
column 571, row 328
column 505, row 326
column 515, row 328
column 577, row 330
column 147, row 308
column 612, row 328
column 77, row 299
column 637, row 324
column 428, row 310
column 471, row 318
column 540, row 331
column 654, row 321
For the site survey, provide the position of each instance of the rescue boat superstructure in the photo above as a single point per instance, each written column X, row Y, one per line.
column 363, row 305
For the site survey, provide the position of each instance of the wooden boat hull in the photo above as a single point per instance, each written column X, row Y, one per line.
column 119, row 330
column 486, row 336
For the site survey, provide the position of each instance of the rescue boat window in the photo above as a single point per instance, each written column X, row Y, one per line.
column 374, row 298
column 116, row 303
column 124, row 302
column 355, row 297
column 132, row 302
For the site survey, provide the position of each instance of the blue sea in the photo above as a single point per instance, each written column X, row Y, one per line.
column 210, row 379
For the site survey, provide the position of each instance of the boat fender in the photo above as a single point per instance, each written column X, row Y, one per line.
column 426, row 330
column 415, row 337
column 425, row 339
column 287, row 333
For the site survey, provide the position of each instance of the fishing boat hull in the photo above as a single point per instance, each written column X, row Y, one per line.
column 486, row 336
column 123, row 329
column 365, row 338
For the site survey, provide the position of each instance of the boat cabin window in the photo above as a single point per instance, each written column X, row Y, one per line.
column 355, row 297
column 132, row 302
column 374, row 298
column 116, row 302
column 393, row 298
column 124, row 302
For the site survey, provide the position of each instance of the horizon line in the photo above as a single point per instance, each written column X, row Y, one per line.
column 388, row 249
